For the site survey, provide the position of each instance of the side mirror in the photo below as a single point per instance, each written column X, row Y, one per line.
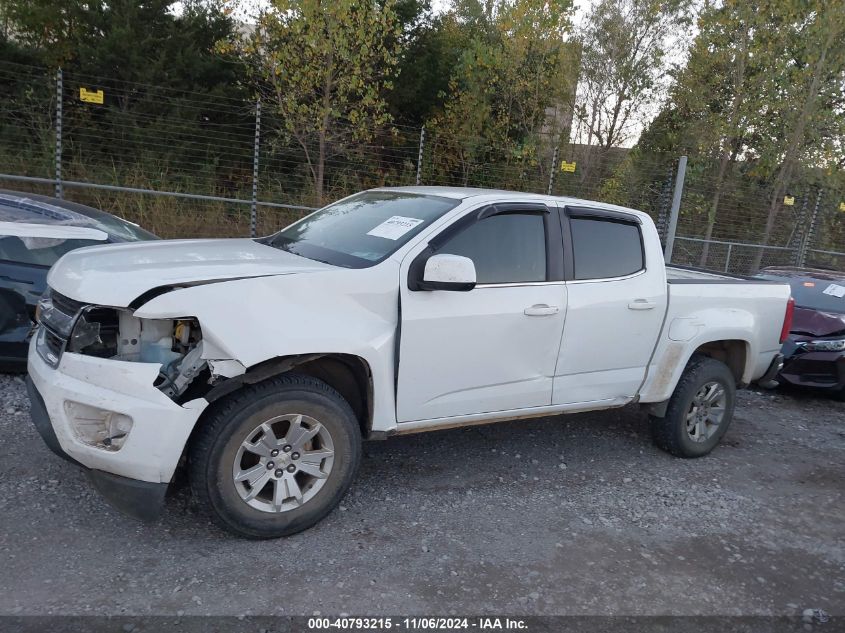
column 448, row 272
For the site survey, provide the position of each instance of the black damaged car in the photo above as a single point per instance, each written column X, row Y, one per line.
column 34, row 232
column 814, row 353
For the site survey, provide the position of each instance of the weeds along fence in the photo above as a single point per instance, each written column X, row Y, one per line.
column 186, row 164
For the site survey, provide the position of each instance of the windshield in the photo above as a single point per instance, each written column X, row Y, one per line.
column 362, row 230
column 118, row 227
column 34, row 210
column 38, row 251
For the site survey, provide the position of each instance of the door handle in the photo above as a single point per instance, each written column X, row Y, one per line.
column 541, row 309
column 641, row 304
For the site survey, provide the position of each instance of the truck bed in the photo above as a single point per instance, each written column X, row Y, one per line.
column 735, row 311
column 689, row 275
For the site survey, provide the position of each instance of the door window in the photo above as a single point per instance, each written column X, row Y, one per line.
column 505, row 248
column 605, row 248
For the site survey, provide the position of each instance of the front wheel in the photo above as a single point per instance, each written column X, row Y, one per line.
column 699, row 411
column 276, row 457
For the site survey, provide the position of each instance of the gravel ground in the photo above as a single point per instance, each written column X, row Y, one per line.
column 571, row 515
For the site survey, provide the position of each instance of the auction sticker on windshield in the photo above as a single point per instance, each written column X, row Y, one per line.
column 394, row 227
column 835, row 289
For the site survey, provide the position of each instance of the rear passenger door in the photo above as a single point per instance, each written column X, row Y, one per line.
column 616, row 292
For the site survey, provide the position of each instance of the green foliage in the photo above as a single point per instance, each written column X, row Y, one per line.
column 324, row 69
column 428, row 59
column 759, row 108
column 512, row 75
column 757, row 101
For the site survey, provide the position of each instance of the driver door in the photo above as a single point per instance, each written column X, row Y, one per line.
column 492, row 348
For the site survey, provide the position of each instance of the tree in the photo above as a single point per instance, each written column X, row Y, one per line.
column 807, row 94
column 324, row 68
column 718, row 91
column 431, row 48
column 623, row 59
column 151, row 62
column 513, row 71
column 49, row 27
column 758, row 107
column 624, row 45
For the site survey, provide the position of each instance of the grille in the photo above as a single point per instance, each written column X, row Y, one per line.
column 65, row 304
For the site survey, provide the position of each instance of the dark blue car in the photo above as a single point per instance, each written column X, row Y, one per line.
column 34, row 232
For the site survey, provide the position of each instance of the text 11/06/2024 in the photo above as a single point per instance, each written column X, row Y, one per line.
column 421, row 623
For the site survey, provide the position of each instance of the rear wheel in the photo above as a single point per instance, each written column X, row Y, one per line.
column 699, row 411
column 276, row 457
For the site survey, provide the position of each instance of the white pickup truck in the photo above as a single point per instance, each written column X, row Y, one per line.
column 264, row 363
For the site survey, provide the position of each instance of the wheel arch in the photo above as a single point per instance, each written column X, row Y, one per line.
column 735, row 353
column 347, row 374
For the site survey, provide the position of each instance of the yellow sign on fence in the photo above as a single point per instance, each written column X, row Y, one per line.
column 91, row 96
column 842, row 206
column 789, row 200
column 568, row 167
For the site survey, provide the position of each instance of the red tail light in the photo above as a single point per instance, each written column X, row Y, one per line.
column 787, row 320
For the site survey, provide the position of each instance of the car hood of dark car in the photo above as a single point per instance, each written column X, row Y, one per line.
column 811, row 322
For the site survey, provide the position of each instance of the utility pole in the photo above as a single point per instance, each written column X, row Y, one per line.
column 253, row 215
column 553, row 170
column 676, row 207
column 58, row 185
column 420, row 156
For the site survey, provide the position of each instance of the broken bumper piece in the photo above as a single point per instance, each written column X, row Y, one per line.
column 139, row 499
column 123, row 430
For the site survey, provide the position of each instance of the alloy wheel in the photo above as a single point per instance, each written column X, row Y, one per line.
column 283, row 462
column 706, row 412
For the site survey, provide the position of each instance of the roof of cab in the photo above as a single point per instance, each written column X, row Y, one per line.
column 463, row 193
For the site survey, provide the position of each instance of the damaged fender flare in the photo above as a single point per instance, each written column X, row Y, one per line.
column 259, row 373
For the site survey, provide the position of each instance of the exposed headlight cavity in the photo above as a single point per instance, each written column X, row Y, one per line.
column 175, row 344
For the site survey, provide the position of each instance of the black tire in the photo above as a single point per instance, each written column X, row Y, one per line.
column 670, row 431
column 215, row 447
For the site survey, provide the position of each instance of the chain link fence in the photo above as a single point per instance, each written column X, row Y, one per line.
column 185, row 164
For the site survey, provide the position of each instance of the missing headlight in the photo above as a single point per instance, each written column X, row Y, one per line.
column 175, row 344
column 95, row 333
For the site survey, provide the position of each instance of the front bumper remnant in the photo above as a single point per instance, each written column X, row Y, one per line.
column 139, row 499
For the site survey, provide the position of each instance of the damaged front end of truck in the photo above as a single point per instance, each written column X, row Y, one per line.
column 176, row 345
column 118, row 368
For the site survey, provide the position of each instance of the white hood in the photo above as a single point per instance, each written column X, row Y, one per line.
column 116, row 274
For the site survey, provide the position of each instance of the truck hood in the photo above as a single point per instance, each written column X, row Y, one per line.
column 116, row 274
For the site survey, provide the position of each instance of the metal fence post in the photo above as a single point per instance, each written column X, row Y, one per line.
column 676, row 207
column 728, row 258
column 553, row 170
column 808, row 236
column 420, row 156
column 253, row 214
column 663, row 206
column 58, row 177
